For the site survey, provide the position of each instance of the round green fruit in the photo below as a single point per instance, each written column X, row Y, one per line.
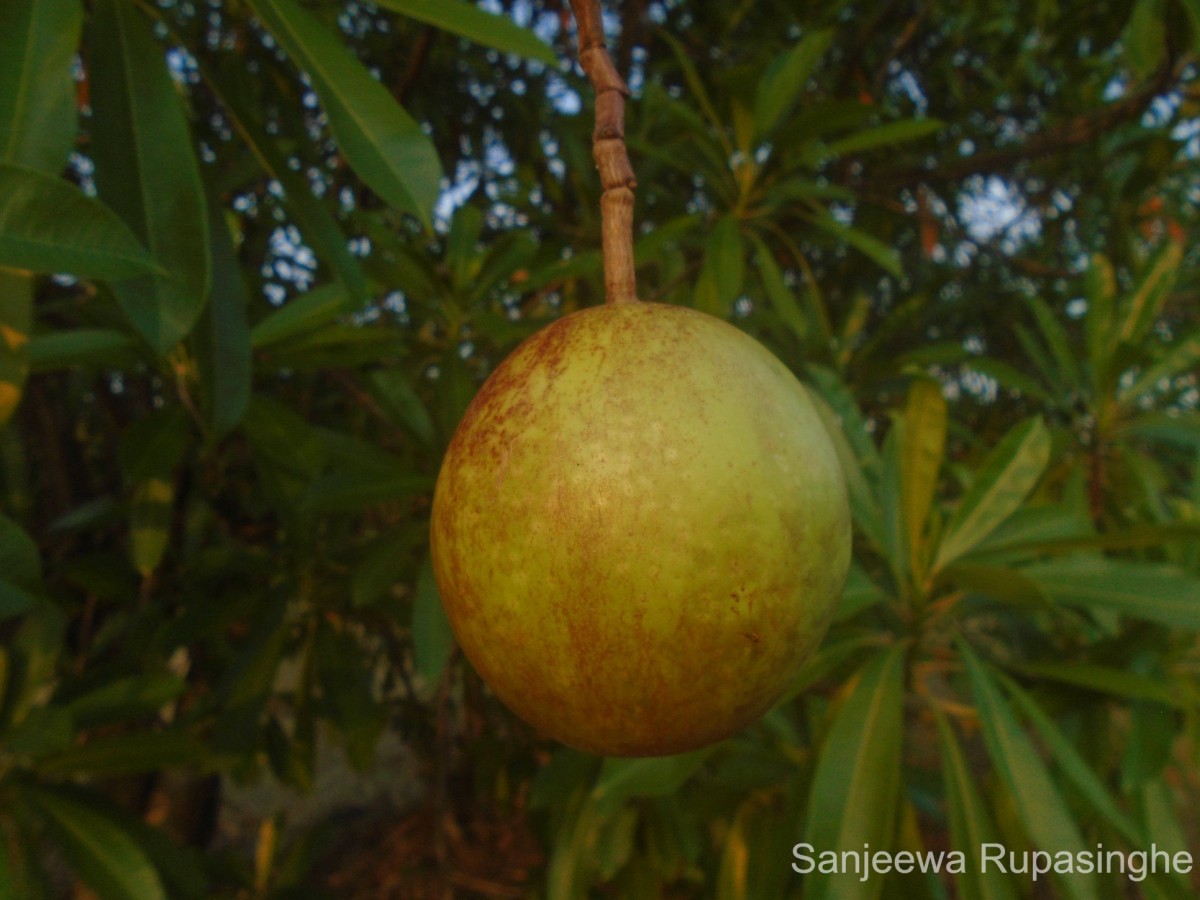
column 640, row 530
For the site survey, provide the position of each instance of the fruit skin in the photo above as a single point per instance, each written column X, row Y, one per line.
column 640, row 530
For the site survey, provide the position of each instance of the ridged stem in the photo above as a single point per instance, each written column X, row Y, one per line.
column 612, row 159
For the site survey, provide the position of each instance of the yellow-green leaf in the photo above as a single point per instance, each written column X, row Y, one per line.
column 922, row 445
column 1002, row 483
column 856, row 788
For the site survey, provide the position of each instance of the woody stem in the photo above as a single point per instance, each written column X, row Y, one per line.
column 612, row 159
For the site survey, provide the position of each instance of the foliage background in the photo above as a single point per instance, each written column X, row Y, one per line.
column 257, row 255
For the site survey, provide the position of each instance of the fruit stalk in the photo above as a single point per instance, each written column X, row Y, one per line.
column 612, row 159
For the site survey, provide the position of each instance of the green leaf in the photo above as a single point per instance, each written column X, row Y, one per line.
column 1044, row 815
column 1056, row 339
column 381, row 142
column 14, row 601
column 467, row 20
column 859, row 593
column 46, row 729
column 222, row 337
column 318, row 225
column 33, row 655
column 346, row 680
column 97, row 848
column 786, row 79
column 1170, row 426
column 856, row 787
column 22, row 853
column 1153, row 731
column 354, row 491
column 1010, row 377
column 696, row 86
column 1145, row 36
column 871, row 247
column 1075, row 768
column 1006, row 477
column 124, row 754
column 382, row 567
column 38, row 43
column 302, row 314
column 1100, row 288
column 433, row 639
column 394, row 391
column 153, row 446
column 1151, row 293
column 922, row 445
column 885, row 135
column 970, row 825
column 150, row 523
column 864, row 510
column 1181, row 357
column 1105, row 680
column 49, row 225
column 135, row 695
column 724, row 269
column 94, row 347
column 20, row 560
column 783, row 301
column 657, row 776
column 146, row 170
column 1153, row 592
column 1002, row 583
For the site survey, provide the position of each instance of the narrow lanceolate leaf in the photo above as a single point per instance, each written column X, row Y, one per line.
column 38, row 42
column 14, row 601
column 656, row 776
column 970, row 824
column 1151, row 293
column 318, row 225
column 82, row 347
column 469, row 21
column 870, row 246
column 721, row 278
column 49, row 225
column 1100, row 288
column 1003, row 481
column 856, row 787
column 146, row 170
column 150, row 523
column 223, row 358
column 1181, row 358
column 1058, row 343
column 1040, row 807
column 16, row 318
column 102, row 853
column 786, row 79
column 1075, row 768
column 783, row 301
column 432, row 638
column 924, row 441
column 1154, row 592
column 302, row 315
column 885, row 135
column 20, row 561
column 382, row 143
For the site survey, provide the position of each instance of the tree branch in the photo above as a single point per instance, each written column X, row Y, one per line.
column 1069, row 133
column 612, row 159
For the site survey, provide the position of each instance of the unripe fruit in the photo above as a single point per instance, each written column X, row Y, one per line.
column 640, row 530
